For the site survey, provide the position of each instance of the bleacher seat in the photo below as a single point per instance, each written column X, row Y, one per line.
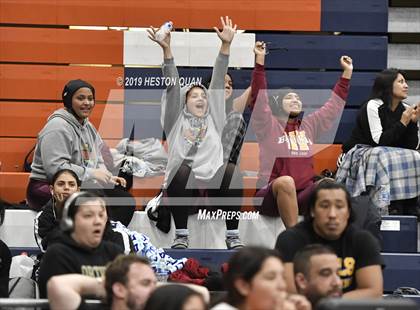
column 354, row 15
column 401, row 269
column 399, row 234
column 320, row 51
column 209, row 258
column 17, row 230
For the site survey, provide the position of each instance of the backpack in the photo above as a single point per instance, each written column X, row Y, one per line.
column 21, row 287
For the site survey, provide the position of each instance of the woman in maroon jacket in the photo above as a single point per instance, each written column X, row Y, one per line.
column 285, row 139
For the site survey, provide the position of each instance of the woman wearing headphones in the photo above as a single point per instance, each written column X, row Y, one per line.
column 47, row 226
column 81, row 248
column 47, row 222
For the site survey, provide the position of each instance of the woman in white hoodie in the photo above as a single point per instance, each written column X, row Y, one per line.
column 193, row 119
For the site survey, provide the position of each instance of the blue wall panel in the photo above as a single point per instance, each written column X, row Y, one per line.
column 360, row 84
column 317, row 51
column 354, row 15
column 145, row 118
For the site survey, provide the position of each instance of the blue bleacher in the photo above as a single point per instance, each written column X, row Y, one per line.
column 361, row 82
column 290, row 51
column 402, row 269
column 354, row 16
column 146, row 119
column 209, row 258
column 401, row 234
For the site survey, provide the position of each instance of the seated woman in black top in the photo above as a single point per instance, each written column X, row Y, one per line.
column 385, row 120
column 47, row 222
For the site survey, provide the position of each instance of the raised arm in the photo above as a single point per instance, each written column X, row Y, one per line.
column 347, row 65
column 226, row 35
column 239, row 103
column 322, row 120
column 171, row 98
column 262, row 116
column 217, row 83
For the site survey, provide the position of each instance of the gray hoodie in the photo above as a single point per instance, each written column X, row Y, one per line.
column 178, row 123
column 64, row 143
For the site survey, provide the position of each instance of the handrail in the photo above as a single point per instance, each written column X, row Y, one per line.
column 30, row 302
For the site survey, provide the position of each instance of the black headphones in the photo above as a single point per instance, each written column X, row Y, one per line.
column 67, row 223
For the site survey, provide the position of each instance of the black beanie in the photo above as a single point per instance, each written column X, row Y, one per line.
column 72, row 87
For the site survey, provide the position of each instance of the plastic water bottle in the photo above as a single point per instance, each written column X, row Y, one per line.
column 163, row 31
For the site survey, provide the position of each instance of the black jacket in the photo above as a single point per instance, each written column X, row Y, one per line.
column 66, row 256
column 377, row 125
column 47, row 231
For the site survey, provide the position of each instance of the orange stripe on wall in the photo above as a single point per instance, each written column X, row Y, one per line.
column 13, row 186
column 46, row 82
column 26, row 119
column 61, row 46
column 14, row 150
column 202, row 14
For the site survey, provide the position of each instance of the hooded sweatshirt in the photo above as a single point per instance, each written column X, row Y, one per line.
column 194, row 139
column 64, row 143
column 67, row 256
column 47, row 231
column 286, row 148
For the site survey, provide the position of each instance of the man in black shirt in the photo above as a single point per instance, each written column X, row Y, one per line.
column 328, row 222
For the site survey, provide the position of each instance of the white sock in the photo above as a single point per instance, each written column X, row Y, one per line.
column 182, row 232
column 232, row 233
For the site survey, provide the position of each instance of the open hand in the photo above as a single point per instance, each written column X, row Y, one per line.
column 228, row 31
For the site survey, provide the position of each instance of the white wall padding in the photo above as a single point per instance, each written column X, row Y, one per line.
column 18, row 230
column 404, row 20
column 413, row 92
column 404, row 56
column 195, row 49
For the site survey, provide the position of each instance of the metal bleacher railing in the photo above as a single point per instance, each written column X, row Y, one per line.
column 37, row 303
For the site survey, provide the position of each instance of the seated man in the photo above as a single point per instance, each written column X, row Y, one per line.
column 328, row 222
column 129, row 280
column 317, row 273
